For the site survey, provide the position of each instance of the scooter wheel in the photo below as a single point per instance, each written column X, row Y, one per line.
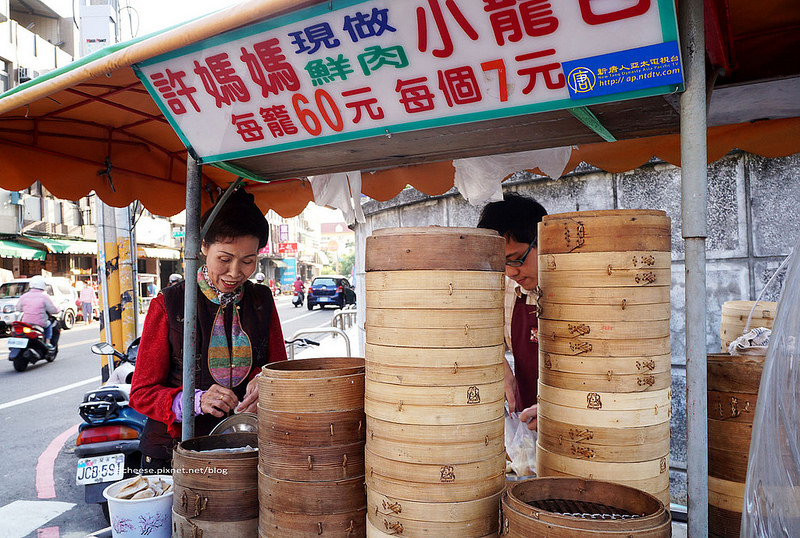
column 20, row 364
column 50, row 357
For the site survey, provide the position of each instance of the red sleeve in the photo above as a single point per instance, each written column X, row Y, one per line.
column 150, row 394
column 277, row 349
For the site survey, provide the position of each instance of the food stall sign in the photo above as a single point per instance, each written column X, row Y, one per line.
column 353, row 69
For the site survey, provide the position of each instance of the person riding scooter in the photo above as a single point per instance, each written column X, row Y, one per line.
column 299, row 294
column 37, row 307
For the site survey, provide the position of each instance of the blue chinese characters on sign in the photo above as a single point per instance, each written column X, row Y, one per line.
column 624, row 71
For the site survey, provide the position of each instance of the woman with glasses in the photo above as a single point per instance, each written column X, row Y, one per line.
column 516, row 219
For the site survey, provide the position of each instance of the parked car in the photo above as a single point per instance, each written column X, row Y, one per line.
column 332, row 290
column 58, row 288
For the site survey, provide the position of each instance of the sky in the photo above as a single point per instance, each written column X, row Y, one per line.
column 148, row 16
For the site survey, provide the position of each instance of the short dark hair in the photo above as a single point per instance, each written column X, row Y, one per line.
column 516, row 217
column 239, row 216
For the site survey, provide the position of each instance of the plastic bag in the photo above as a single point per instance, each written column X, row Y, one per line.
column 520, row 446
column 771, row 500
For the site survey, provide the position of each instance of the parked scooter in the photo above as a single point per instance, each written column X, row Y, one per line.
column 298, row 298
column 26, row 344
column 108, row 440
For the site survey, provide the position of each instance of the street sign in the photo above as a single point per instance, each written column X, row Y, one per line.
column 179, row 234
column 354, row 69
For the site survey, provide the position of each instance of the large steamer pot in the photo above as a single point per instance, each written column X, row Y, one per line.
column 578, row 508
column 216, row 489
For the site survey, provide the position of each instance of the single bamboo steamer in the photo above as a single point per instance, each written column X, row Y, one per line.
column 598, row 312
column 604, row 401
column 456, row 337
column 658, row 487
column 312, row 394
column 311, row 498
column 424, row 357
column 435, row 318
column 331, row 428
column 595, row 347
column 466, row 529
column 434, row 247
column 606, row 278
column 306, row 368
column 443, row 299
column 628, row 297
column 726, row 433
column 726, row 494
column 460, row 443
column 449, row 512
column 637, row 470
column 540, row 507
column 610, row 330
column 282, row 524
column 608, row 382
column 403, row 413
column 605, row 231
column 605, row 365
column 604, row 261
column 594, row 436
column 443, row 493
column 432, row 281
column 443, row 396
column 436, row 473
column 447, row 376
column 732, row 406
column 375, row 532
column 734, row 319
column 658, row 414
column 312, row 463
column 562, row 446
column 735, row 373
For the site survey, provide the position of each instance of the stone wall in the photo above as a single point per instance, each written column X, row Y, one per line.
column 753, row 223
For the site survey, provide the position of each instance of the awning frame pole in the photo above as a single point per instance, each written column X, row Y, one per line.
column 694, row 216
column 191, row 256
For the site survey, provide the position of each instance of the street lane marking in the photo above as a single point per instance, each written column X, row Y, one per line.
column 298, row 317
column 49, row 393
column 45, row 483
column 20, row 518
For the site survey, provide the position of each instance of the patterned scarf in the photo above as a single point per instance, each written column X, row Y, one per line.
column 229, row 362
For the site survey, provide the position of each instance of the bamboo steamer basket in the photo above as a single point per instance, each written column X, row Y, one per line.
column 606, row 278
column 734, row 319
column 622, row 418
column 434, row 247
column 383, row 532
column 331, row 428
column 447, row 281
column 604, row 261
column 454, row 337
column 608, row 330
column 215, row 490
column 604, row 401
column 608, row 382
column 469, row 395
column 311, row 498
column 310, row 394
column 657, row 487
column 452, row 492
column 439, row 474
column 606, row 365
column 282, row 524
column 403, row 413
column 544, row 507
column 733, row 383
column 454, row 374
column 485, row 318
column 312, row 463
column 460, row 443
column 454, row 513
column 640, row 470
column 627, row 297
column 605, row 231
column 599, row 312
column 595, row 347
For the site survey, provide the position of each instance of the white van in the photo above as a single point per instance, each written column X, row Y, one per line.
column 59, row 289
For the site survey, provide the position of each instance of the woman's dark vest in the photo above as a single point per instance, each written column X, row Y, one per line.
column 255, row 313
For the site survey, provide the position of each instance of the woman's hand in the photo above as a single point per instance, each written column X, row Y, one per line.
column 511, row 388
column 218, row 401
column 529, row 415
column 250, row 402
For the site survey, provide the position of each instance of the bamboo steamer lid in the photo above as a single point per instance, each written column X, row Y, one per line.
column 434, row 247
column 620, row 297
column 594, row 347
column 593, row 312
column 604, row 261
column 611, row 330
column 608, row 382
column 460, row 443
column 606, row 278
column 330, row 428
column 605, row 365
column 605, row 231
column 311, row 394
column 301, row 369
column 282, row 524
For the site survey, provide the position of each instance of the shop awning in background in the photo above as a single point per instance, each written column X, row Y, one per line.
column 12, row 249
column 159, row 253
column 280, row 263
column 66, row 246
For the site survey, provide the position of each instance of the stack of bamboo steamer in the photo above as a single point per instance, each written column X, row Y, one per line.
column 435, row 457
column 604, row 365
column 311, row 448
column 733, row 382
column 734, row 319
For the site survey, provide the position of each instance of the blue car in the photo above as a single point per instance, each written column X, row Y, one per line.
column 330, row 290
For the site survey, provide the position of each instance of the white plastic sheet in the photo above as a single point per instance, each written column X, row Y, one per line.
column 772, row 491
column 478, row 179
column 342, row 191
column 520, row 446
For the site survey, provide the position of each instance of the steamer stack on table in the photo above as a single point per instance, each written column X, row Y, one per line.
column 435, row 456
column 604, row 349
column 311, row 448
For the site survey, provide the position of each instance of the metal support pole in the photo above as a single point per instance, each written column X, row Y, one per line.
column 191, row 256
column 102, row 277
column 694, row 216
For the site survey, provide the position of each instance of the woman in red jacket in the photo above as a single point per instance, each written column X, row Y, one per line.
column 238, row 332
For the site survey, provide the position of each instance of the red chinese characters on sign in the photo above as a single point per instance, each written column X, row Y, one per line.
column 221, row 81
column 269, row 69
column 459, row 86
column 509, row 18
column 441, row 26
column 172, row 87
column 247, row 127
column 590, row 17
column 363, row 104
column 415, row 95
column 551, row 73
column 287, row 248
column 278, row 121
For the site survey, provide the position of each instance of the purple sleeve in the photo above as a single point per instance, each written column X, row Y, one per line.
column 177, row 404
